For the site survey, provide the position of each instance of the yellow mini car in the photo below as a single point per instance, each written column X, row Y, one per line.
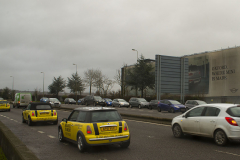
column 39, row 112
column 91, row 126
column 4, row 105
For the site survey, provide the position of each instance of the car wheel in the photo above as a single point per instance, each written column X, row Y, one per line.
column 60, row 135
column 130, row 106
column 150, row 107
column 86, row 104
column 220, row 137
column 172, row 110
column 159, row 109
column 80, row 143
column 139, row 106
column 94, row 104
column 9, row 110
column 29, row 121
column 177, row 131
column 55, row 122
column 23, row 120
column 125, row 144
column 119, row 106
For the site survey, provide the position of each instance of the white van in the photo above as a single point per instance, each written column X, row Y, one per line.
column 22, row 99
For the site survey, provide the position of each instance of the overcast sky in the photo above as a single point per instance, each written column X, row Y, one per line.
column 49, row 36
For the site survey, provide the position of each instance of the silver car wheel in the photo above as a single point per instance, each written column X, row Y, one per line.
column 80, row 144
column 220, row 138
column 177, row 131
column 60, row 135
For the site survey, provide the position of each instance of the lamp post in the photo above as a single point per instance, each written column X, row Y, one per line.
column 12, row 86
column 76, row 67
column 43, row 83
column 137, row 52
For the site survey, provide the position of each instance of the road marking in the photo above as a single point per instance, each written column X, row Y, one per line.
column 11, row 119
column 149, row 122
column 228, row 153
column 40, row 131
column 15, row 121
column 1, row 115
column 51, row 136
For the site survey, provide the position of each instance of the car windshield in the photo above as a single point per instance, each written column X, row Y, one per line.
column 142, row 100
column 105, row 116
column 234, row 111
column 201, row 102
column 97, row 98
column 108, row 100
column 121, row 100
column 54, row 100
column 43, row 107
column 1, row 98
column 174, row 102
column 4, row 102
column 70, row 99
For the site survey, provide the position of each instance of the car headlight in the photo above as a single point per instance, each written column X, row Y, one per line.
column 121, row 103
column 177, row 106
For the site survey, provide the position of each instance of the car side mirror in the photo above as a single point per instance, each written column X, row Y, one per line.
column 64, row 120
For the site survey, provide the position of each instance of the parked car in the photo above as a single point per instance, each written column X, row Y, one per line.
column 88, row 126
column 120, row 103
column 192, row 103
column 54, row 102
column 171, row 106
column 39, row 112
column 69, row 101
column 219, row 121
column 153, row 104
column 80, row 101
column 108, row 101
column 44, row 99
column 1, row 98
column 138, row 102
column 94, row 100
column 22, row 100
column 4, row 105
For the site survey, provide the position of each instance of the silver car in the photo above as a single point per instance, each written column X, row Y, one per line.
column 192, row 103
column 120, row 103
column 219, row 121
column 54, row 102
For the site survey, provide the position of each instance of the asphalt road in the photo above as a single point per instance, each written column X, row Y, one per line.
column 148, row 141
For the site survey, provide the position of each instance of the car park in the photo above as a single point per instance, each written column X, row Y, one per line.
column 92, row 126
column 120, row 103
column 171, row 106
column 69, row 101
column 108, row 101
column 218, row 121
column 39, row 112
column 94, row 100
column 54, row 102
column 44, row 99
column 4, row 105
column 153, row 104
column 80, row 101
column 192, row 103
column 138, row 102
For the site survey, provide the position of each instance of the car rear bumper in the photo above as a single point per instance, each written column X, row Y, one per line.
column 44, row 119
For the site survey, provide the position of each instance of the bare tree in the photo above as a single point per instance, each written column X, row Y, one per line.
column 89, row 78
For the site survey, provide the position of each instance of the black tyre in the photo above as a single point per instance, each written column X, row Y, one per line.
column 172, row 110
column 9, row 110
column 139, row 106
column 23, row 120
column 119, row 106
column 86, row 104
column 94, row 104
column 220, row 137
column 177, row 131
column 55, row 122
column 80, row 143
column 125, row 144
column 150, row 107
column 60, row 135
column 29, row 121
column 130, row 106
column 159, row 109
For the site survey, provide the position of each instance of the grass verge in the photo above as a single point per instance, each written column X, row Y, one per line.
column 2, row 156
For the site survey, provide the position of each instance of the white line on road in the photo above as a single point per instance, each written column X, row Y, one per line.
column 228, row 153
column 51, row 136
column 40, row 131
column 149, row 122
column 11, row 119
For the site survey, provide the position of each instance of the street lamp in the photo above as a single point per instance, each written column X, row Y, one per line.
column 43, row 83
column 76, row 67
column 12, row 86
column 137, row 52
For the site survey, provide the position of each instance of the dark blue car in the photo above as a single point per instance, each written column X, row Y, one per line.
column 80, row 101
column 44, row 99
column 108, row 101
column 171, row 106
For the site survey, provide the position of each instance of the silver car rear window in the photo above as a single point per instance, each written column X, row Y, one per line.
column 234, row 111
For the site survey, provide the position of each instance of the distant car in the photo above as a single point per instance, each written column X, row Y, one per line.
column 54, row 102
column 44, row 99
column 153, row 104
column 171, row 106
column 80, row 101
column 69, row 101
column 120, row 103
column 192, row 103
column 138, row 102
column 108, row 101
column 39, row 112
column 219, row 121
column 94, row 100
column 4, row 105
column 1, row 98
column 92, row 126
